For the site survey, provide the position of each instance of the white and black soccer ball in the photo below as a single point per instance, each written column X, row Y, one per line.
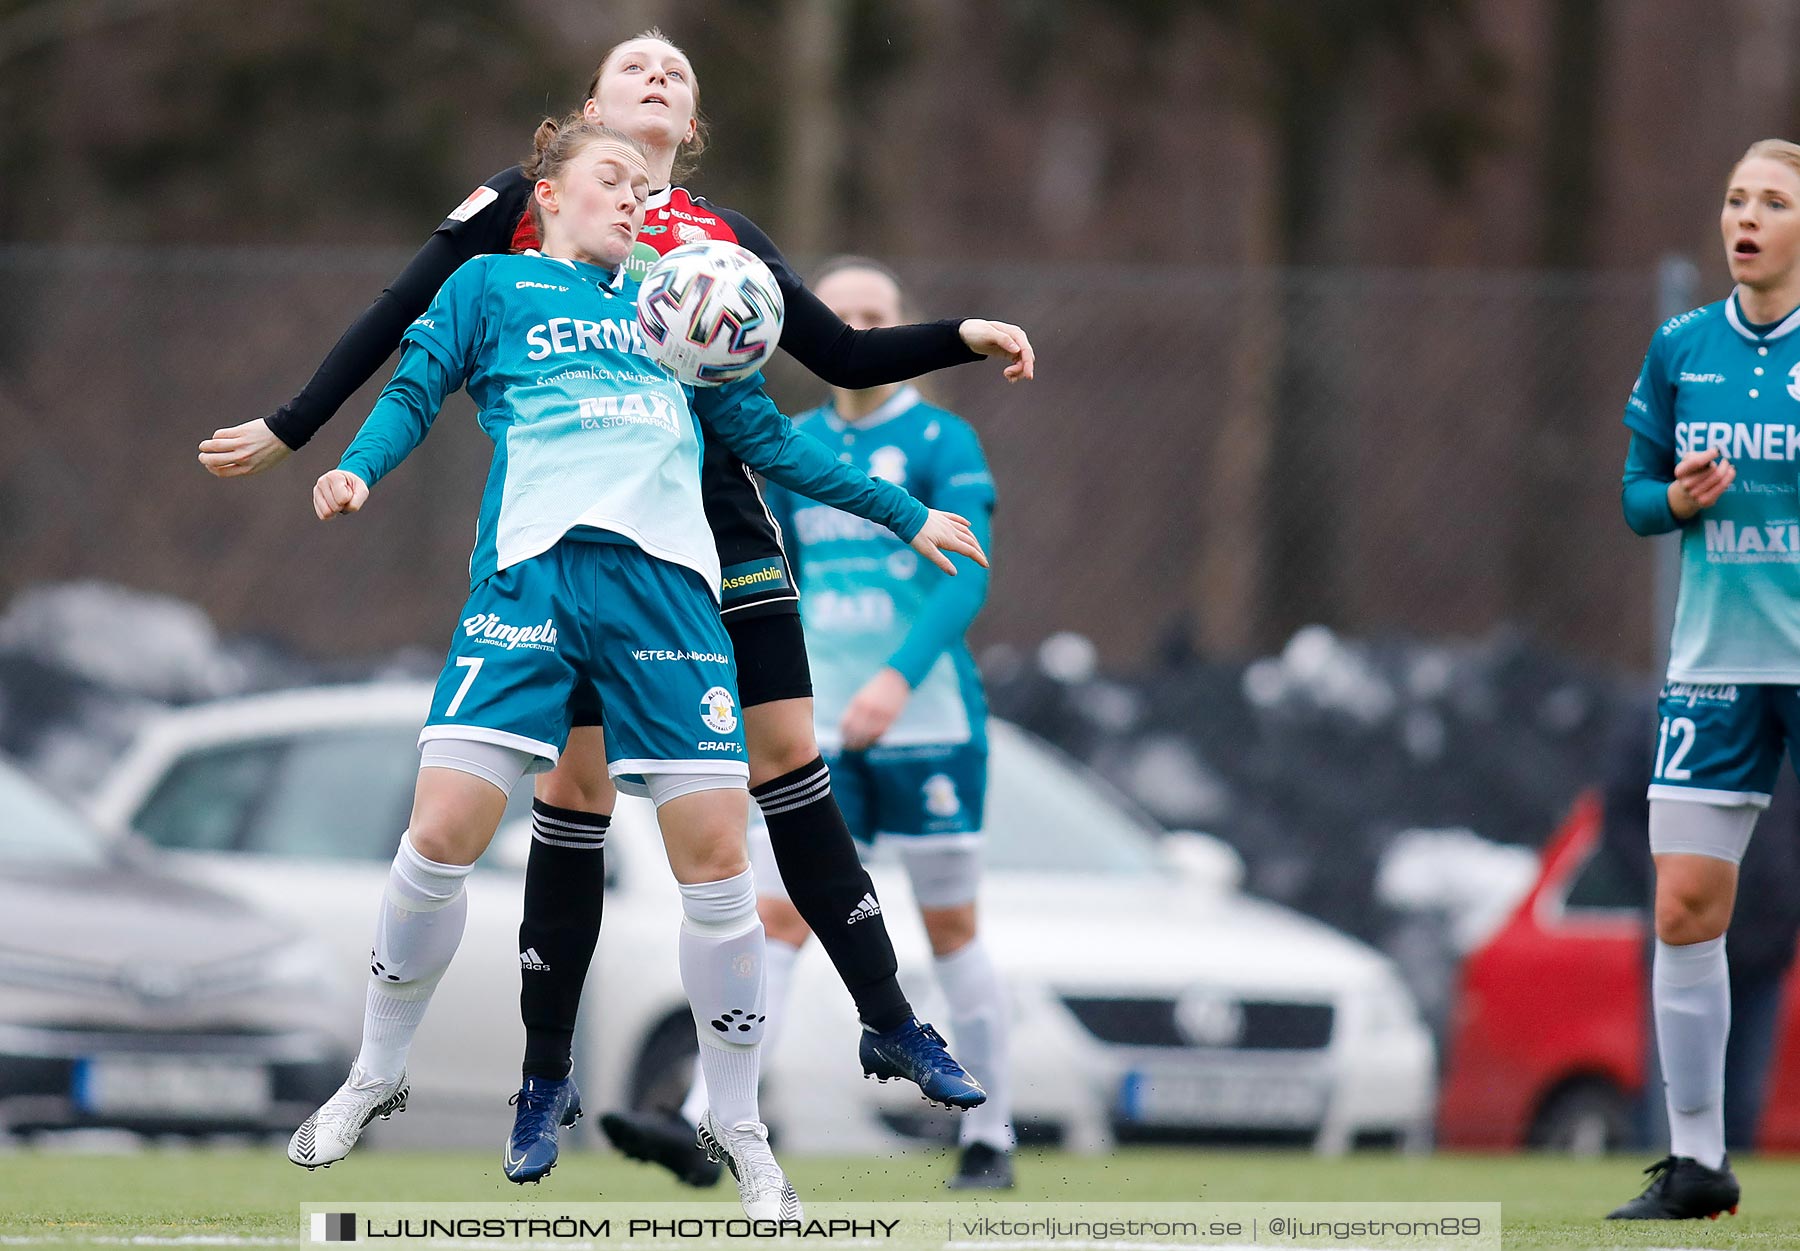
column 711, row 312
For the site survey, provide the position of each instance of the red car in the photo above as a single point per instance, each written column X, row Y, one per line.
column 1547, row 1045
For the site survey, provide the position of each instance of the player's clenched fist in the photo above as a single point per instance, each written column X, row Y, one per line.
column 1700, row 479
column 338, row 492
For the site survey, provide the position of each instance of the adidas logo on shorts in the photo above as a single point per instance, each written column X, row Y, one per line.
column 529, row 959
column 869, row 907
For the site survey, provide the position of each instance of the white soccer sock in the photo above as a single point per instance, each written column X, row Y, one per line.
column 722, row 960
column 421, row 923
column 1692, row 997
column 778, row 969
column 978, row 1027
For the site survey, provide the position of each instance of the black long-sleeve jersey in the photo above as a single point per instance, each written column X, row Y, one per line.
column 495, row 219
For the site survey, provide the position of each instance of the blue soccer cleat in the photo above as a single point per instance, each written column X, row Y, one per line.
column 916, row 1053
column 546, row 1107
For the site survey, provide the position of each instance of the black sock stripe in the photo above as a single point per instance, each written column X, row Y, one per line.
column 550, row 840
column 798, row 778
column 777, row 808
column 572, row 815
column 806, row 793
column 541, row 822
column 787, row 781
column 771, row 791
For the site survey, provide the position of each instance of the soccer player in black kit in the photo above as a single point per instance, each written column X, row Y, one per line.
column 646, row 87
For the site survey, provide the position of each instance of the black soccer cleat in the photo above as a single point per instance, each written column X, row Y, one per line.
column 983, row 1168
column 664, row 1140
column 1682, row 1189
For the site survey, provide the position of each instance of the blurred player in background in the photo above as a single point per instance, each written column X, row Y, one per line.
column 1714, row 442
column 899, row 705
column 592, row 544
column 646, row 88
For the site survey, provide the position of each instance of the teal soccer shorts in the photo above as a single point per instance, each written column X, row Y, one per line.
column 1722, row 744
column 595, row 624
column 930, row 793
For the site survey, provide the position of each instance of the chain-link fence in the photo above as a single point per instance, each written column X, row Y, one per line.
column 1209, row 457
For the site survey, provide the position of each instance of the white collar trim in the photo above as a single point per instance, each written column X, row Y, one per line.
column 617, row 281
column 657, row 199
column 899, row 402
column 1786, row 326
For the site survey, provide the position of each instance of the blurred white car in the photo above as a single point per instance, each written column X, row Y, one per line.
column 1151, row 997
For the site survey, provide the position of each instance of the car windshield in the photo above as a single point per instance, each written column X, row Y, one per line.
column 1046, row 814
column 337, row 795
column 36, row 828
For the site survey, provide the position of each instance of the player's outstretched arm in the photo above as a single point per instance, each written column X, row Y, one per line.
column 254, row 446
column 816, row 337
column 398, row 423
column 746, row 420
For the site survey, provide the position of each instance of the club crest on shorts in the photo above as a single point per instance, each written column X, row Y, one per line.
column 941, row 799
column 718, row 710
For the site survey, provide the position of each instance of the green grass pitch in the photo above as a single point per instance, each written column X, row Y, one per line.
column 1548, row 1202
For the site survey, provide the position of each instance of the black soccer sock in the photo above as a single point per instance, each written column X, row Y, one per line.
column 831, row 889
column 564, row 889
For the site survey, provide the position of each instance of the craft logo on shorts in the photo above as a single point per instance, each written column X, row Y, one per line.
column 941, row 799
column 486, row 627
column 718, row 711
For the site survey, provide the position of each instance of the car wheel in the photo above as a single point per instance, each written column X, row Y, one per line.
column 665, row 1065
column 1587, row 1117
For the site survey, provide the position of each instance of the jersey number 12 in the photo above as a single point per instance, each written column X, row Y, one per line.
column 1682, row 729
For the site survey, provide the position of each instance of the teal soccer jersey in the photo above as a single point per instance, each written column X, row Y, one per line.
column 1710, row 379
column 589, row 432
column 587, row 429
column 863, row 591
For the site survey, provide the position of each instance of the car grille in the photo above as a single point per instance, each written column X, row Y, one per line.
column 1266, row 1025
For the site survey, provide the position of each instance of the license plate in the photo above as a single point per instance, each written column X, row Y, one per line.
column 171, row 1086
column 1251, row 1100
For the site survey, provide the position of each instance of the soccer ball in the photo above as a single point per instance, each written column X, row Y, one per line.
column 710, row 312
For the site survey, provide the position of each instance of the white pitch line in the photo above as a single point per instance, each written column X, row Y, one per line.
column 144, row 1240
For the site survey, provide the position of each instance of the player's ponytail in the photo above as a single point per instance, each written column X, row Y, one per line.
column 555, row 143
column 541, row 139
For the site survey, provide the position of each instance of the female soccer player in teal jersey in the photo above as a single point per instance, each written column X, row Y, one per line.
column 899, row 703
column 1715, row 445
column 646, row 87
column 592, row 547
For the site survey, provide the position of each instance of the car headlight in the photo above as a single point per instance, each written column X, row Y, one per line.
column 294, row 965
column 1385, row 1006
column 34, row 972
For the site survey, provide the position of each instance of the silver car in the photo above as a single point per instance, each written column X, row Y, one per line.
column 132, row 999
